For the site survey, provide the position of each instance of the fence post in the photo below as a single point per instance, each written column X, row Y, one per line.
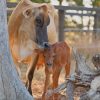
column 61, row 24
column 96, row 24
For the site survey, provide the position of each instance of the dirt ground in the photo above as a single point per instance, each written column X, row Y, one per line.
column 38, row 82
column 38, row 85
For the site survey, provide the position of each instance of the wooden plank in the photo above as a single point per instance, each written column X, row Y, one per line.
column 79, row 30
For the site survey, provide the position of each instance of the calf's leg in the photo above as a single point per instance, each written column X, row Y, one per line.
column 55, row 78
column 46, row 85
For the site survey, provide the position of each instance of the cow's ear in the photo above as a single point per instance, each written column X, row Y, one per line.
column 54, row 55
column 27, row 13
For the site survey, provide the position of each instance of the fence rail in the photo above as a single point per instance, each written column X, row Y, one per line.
column 77, row 8
column 80, row 30
column 79, row 14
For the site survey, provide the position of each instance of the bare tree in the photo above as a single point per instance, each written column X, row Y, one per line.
column 11, row 88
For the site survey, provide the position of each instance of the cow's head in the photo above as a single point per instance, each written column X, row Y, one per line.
column 39, row 20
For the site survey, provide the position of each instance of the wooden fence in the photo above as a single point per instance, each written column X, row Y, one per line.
column 63, row 11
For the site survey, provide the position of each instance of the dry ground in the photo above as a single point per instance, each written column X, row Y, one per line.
column 38, row 84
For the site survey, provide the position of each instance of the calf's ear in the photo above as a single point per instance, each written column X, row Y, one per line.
column 54, row 55
column 38, row 51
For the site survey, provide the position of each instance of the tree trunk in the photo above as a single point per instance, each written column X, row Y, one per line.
column 11, row 88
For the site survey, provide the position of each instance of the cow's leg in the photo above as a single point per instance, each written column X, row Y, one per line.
column 55, row 78
column 30, row 72
column 47, row 82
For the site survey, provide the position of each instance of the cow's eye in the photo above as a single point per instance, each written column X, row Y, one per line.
column 39, row 22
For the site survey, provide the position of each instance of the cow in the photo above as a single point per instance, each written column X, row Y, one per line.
column 56, row 57
column 31, row 26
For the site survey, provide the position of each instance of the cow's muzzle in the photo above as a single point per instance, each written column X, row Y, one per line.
column 46, row 45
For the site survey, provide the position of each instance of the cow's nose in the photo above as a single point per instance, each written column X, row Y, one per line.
column 49, row 64
column 46, row 45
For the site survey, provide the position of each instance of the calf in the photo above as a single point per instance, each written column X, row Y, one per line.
column 56, row 57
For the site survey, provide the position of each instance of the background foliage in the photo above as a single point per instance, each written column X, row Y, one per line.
column 96, row 3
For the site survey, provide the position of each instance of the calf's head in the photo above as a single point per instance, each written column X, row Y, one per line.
column 37, row 20
column 49, row 56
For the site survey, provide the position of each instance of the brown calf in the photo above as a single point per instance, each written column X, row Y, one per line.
column 56, row 57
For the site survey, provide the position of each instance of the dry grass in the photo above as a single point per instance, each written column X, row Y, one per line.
column 86, row 43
